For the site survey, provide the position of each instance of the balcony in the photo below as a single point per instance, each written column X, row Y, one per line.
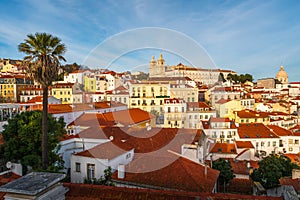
column 162, row 96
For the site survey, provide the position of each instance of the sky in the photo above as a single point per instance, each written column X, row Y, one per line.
column 247, row 36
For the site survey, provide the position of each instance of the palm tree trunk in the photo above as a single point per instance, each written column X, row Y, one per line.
column 45, row 129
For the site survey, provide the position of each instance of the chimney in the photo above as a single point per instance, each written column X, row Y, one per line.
column 121, row 171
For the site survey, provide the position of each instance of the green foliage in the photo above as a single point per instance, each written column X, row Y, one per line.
column 221, row 77
column 226, row 172
column 141, row 77
column 44, row 53
column 271, row 169
column 71, row 67
column 242, row 78
column 23, row 139
column 103, row 180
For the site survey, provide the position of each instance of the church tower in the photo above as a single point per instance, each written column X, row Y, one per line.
column 157, row 68
column 282, row 76
column 152, row 70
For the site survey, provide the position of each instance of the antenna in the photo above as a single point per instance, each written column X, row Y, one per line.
column 9, row 165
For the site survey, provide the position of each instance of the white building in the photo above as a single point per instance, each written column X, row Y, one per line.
column 76, row 76
column 90, row 164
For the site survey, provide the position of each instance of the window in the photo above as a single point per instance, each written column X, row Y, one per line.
column 290, row 149
column 90, row 171
column 290, row 141
column 128, row 156
column 296, row 141
column 269, row 143
column 274, row 143
column 169, row 109
column 77, row 167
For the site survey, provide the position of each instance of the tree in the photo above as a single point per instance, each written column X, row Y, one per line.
column 271, row 169
column 23, row 139
column 44, row 53
column 221, row 78
column 226, row 172
column 103, row 180
column 240, row 78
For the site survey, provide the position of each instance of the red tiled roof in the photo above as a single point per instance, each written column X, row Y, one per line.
column 240, row 166
column 251, row 114
column 255, row 130
column 155, row 140
column 240, row 186
column 103, row 151
column 178, row 175
column 224, row 89
column 198, row 105
column 224, row 148
column 222, row 101
column 93, row 192
column 126, row 117
column 280, row 131
column 244, row 144
column 295, row 158
column 63, row 85
column 291, row 182
column 8, row 177
column 215, row 119
column 173, row 100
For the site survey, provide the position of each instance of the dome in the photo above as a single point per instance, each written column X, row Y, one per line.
column 282, row 75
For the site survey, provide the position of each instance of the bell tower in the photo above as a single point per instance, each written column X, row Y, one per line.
column 152, row 70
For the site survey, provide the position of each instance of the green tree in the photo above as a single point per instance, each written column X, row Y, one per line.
column 271, row 169
column 221, row 78
column 103, row 180
column 23, row 139
column 44, row 53
column 226, row 172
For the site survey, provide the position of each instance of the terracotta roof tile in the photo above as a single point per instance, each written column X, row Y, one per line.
column 125, row 117
column 251, row 114
column 224, row 148
column 255, row 130
column 291, row 182
column 178, row 175
column 240, row 186
column 222, row 101
column 154, row 140
column 103, row 151
column 8, row 177
column 93, row 192
column 280, row 131
column 198, row 105
column 244, row 144
column 295, row 158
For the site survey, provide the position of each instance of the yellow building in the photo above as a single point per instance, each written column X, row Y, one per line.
column 184, row 91
column 149, row 96
column 226, row 108
column 249, row 116
column 64, row 92
column 10, row 86
column 7, row 65
column 90, row 83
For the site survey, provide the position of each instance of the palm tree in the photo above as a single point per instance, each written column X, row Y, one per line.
column 44, row 53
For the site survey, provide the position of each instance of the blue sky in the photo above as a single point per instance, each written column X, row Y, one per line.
column 246, row 36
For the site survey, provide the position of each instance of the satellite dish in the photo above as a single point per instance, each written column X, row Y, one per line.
column 111, row 138
column 8, row 165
